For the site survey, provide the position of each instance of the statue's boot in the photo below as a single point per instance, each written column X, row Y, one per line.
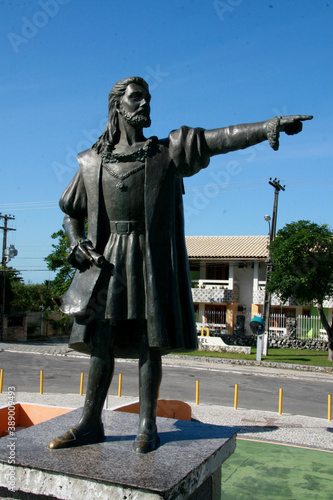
column 76, row 437
column 150, row 376
column 90, row 429
column 147, row 440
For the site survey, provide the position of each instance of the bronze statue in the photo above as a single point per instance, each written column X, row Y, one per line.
column 131, row 294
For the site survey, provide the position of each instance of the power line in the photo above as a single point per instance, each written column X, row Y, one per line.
column 221, row 189
column 30, row 203
column 33, row 270
column 33, row 205
column 252, row 181
column 194, row 190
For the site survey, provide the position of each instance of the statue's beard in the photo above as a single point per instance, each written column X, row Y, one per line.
column 135, row 119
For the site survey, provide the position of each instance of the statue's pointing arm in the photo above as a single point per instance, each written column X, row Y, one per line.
column 223, row 140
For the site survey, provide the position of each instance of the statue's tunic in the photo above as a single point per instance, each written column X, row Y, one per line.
column 152, row 261
column 126, row 290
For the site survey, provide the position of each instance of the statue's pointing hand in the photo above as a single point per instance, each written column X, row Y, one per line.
column 291, row 125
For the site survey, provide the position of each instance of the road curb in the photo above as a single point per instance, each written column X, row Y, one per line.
column 182, row 357
column 245, row 362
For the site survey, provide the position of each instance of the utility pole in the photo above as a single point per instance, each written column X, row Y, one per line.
column 267, row 303
column 5, row 229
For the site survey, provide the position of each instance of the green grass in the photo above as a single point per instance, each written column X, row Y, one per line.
column 275, row 355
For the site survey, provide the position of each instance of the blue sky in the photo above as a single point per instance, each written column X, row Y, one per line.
column 208, row 63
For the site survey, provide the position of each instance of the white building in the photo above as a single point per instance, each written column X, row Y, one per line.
column 228, row 278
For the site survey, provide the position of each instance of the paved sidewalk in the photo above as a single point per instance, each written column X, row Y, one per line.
column 57, row 347
column 266, row 426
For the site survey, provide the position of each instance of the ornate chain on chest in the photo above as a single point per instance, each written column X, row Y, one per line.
column 109, row 156
column 121, row 185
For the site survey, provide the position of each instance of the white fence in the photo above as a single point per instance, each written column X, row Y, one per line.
column 307, row 327
column 310, row 328
column 277, row 324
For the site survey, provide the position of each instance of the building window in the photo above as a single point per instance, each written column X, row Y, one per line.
column 217, row 271
column 194, row 271
column 288, row 313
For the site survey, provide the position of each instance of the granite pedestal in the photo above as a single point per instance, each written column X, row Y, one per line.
column 187, row 465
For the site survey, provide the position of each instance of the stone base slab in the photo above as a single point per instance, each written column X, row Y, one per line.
column 187, row 464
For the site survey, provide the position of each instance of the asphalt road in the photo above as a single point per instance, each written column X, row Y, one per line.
column 62, row 375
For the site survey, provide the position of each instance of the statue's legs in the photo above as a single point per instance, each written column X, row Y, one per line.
column 150, row 376
column 89, row 429
column 100, row 376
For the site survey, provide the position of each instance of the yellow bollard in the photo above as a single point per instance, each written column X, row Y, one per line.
column 204, row 329
column 280, row 401
column 120, row 384
column 197, row 392
column 1, row 380
column 329, row 411
column 236, row 397
column 81, row 383
column 41, row 381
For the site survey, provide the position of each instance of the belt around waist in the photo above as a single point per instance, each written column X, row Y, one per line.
column 127, row 227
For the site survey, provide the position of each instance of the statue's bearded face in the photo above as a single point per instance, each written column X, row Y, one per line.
column 134, row 106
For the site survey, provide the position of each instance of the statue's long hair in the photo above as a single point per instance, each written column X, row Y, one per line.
column 110, row 135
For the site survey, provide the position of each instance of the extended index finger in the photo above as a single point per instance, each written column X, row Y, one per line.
column 303, row 118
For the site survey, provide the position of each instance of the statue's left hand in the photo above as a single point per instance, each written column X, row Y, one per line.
column 292, row 124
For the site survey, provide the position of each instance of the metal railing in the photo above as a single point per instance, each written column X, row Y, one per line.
column 214, row 284
column 277, row 324
column 307, row 327
column 215, row 317
column 310, row 328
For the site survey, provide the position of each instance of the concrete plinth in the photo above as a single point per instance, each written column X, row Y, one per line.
column 187, row 465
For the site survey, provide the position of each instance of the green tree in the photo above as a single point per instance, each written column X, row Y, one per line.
column 21, row 297
column 8, row 277
column 57, row 261
column 12, row 274
column 30, row 297
column 302, row 255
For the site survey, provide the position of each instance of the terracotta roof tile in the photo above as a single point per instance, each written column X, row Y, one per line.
column 227, row 247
